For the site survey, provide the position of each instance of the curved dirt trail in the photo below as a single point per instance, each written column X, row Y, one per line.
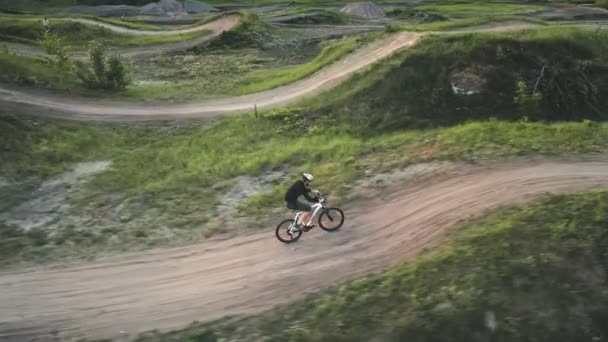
column 105, row 110
column 138, row 32
column 20, row 101
column 214, row 29
column 169, row 288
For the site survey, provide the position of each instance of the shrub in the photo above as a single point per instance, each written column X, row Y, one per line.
column 55, row 47
column 528, row 104
column 107, row 73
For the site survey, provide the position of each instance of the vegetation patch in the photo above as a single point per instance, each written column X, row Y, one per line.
column 402, row 111
column 251, row 32
column 316, row 16
column 167, row 181
column 480, row 9
column 260, row 80
column 568, row 67
column 416, row 16
column 77, row 35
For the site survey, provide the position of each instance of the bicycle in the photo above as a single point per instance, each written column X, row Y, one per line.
column 293, row 230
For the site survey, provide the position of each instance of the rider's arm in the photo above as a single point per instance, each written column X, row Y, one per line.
column 310, row 198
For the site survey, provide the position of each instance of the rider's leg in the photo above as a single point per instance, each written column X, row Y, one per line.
column 304, row 218
column 306, row 211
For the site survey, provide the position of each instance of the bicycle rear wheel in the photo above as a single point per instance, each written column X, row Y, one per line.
column 284, row 234
column 331, row 219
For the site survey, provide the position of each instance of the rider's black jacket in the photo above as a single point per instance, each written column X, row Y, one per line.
column 296, row 190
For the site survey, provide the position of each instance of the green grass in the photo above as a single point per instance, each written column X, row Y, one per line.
column 311, row 16
column 539, row 270
column 466, row 22
column 602, row 3
column 36, row 73
column 182, row 172
column 397, row 113
column 260, row 80
column 480, row 9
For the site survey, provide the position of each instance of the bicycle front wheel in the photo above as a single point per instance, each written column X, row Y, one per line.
column 331, row 219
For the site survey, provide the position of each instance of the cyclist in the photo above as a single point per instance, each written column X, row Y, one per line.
column 302, row 187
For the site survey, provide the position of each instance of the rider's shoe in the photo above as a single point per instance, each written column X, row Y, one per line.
column 307, row 228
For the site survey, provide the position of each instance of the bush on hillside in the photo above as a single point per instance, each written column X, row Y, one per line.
column 55, row 47
column 529, row 103
column 602, row 3
column 106, row 73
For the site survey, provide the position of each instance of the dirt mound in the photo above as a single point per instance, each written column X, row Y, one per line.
column 367, row 10
column 469, row 81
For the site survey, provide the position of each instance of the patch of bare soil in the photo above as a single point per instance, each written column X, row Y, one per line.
column 48, row 203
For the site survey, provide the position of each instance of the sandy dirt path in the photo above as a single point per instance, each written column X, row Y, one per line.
column 22, row 101
column 169, row 288
column 214, row 29
column 138, row 32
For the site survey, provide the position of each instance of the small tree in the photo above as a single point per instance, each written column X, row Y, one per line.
column 55, row 47
column 97, row 57
column 528, row 104
column 102, row 72
column 116, row 74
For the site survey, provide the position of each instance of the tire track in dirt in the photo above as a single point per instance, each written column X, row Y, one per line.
column 169, row 288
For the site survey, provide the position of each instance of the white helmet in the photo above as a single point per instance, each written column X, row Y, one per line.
column 307, row 178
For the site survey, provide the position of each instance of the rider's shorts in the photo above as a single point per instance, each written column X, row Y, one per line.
column 299, row 206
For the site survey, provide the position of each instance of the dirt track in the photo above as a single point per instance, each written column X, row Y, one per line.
column 215, row 28
column 20, row 101
column 169, row 288
column 138, row 32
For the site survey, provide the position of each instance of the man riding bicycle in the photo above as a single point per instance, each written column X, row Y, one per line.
column 301, row 188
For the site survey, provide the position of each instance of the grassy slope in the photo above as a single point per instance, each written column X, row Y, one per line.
column 260, row 80
column 480, row 8
column 414, row 89
column 183, row 172
column 30, row 71
column 540, row 272
column 35, row 72
column 463, row 23
column 234, row 78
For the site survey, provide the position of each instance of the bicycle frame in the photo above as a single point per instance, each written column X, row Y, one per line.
column 316, row 208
